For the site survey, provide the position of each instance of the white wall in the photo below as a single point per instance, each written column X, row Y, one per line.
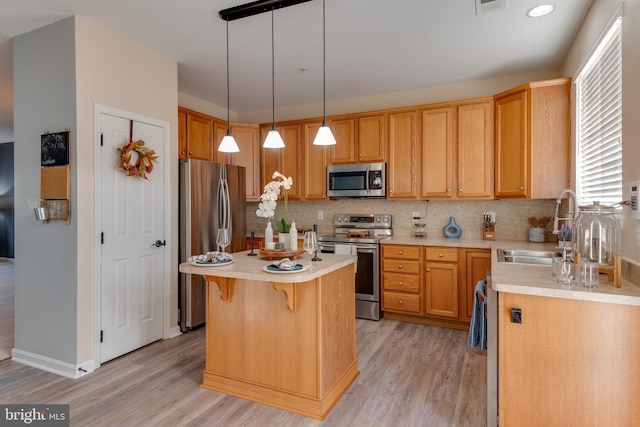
column 115, row 72
column 45, row 254
column 594, row 24
column 61, row 71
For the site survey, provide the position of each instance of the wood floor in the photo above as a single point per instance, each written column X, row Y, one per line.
column 410, row 375
column 7, row 301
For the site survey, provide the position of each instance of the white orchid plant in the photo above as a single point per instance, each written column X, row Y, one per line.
column 268, row 200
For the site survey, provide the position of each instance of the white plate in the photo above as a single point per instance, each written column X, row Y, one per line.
column 276, row 270
column 210, row 264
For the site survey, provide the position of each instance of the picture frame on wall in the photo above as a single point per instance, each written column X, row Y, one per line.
column 54, row 149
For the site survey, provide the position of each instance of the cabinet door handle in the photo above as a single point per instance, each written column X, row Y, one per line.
column 448, row 190
column 190, row 153
column 428, row 270
column 360, row 154
column 521, row 187
column 460, row 190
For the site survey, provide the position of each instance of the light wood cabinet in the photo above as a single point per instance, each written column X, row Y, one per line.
column 441, row 282
column 284, row 160
column 196, row 138
column 568, row 363
column 248, row 139
column 402, row 168
column 474, row 264
column 431, row 285
column 438, row 153
column 344, row 131
column 315, row 164
column 457, row 150
column 475, row 150
column 360, row 138
column 219, row 132
column 401, row 279
column 532, row 128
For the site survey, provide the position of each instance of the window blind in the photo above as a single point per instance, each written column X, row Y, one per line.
column 599, row 123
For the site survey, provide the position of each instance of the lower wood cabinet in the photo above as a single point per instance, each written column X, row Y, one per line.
column 568, row 362
column 431, row 285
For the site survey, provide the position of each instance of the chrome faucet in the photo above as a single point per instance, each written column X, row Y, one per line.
column 570, row 213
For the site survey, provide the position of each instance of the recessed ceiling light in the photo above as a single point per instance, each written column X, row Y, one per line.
column 540, row 10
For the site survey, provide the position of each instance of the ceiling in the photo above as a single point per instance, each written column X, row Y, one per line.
column 372, row 46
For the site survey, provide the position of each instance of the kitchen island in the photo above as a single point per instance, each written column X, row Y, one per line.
column 282, row 339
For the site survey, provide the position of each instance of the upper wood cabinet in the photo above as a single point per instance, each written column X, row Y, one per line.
column 315, row 164
column 344, row 131
column 368, row 133
column 248, row 139
column 438, row 152
column 284, row 160
column 402, row 169
column 196, row 138
column 532, row 127
column 475, row 150
column 457, row 150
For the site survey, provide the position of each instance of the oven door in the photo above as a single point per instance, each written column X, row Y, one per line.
column 367, row 268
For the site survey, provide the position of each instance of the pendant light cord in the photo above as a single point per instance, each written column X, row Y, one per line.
column 273, row 79
column 228, row 102
column 324, row 69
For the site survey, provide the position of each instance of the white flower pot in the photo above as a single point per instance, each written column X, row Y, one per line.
column 284, row 238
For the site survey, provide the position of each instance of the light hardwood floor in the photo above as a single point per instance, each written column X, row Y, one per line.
column 410, row 375
column 7, row 301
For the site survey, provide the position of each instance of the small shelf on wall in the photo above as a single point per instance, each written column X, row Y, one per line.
column 55, row 179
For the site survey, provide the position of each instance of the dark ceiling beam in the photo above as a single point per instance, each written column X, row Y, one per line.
column 255, row 8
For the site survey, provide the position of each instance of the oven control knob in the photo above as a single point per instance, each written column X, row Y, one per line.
column 386, row 219
column 378, row 219
column 346, row 219
column 339, row 219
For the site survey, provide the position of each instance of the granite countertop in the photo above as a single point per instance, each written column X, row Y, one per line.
column 251, row 268
column 530, row 279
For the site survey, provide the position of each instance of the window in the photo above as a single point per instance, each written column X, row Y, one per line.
column 599, row 122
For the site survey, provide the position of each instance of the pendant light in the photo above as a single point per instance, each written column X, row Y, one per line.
column 228, row 143
column 324, row 135
column 273, row 140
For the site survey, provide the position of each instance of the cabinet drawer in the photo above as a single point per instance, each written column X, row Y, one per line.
column 401, row 252
column 401, row 266
column 401, row 282
column 442, row 254
column 401, row 302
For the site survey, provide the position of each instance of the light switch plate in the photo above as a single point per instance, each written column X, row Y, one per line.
column 320, row 214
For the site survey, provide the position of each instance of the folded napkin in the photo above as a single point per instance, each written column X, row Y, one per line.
column 212, row 257
column 285, row 264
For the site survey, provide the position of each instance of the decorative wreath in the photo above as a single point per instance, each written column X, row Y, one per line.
column 143, row 164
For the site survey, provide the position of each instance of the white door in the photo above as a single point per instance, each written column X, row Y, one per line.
column 132, row 212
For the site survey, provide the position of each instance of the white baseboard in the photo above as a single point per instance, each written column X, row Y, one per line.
column 54, row 366
column 174, row 332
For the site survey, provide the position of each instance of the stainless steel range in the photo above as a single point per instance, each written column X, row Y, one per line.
column 361, row 235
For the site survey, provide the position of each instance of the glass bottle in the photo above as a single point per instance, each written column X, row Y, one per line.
column 268, row 233
column 293, row 237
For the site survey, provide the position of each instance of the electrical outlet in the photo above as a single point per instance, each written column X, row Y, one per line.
column 320, row 214
column 415, row 215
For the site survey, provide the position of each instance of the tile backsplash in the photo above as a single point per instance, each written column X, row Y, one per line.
column 511, row 215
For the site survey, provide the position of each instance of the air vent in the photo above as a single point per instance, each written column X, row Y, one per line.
column 484, row 6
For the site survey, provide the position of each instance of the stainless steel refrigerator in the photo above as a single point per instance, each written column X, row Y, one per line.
column 212, row 195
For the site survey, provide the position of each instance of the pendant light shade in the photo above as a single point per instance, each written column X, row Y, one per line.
column 273, row 139
column 324, row 135
column 228, row 143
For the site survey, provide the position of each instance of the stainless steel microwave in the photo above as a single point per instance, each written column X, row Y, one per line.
column 357, row 180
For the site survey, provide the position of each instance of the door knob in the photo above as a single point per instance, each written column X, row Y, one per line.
column 159, row 243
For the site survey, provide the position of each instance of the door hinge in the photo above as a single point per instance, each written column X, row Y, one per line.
column 101, row 336
column 102, row 238
column 101, row 139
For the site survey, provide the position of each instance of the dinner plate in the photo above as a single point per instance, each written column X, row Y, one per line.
column 270, row 268
column 210, row 264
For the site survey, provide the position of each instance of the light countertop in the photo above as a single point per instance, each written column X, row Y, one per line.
column 251, row 268
column 530, row 279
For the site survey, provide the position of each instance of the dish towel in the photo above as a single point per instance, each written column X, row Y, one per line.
column 478, row 329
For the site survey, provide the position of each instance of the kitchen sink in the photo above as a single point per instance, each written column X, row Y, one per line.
column 523, row 256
